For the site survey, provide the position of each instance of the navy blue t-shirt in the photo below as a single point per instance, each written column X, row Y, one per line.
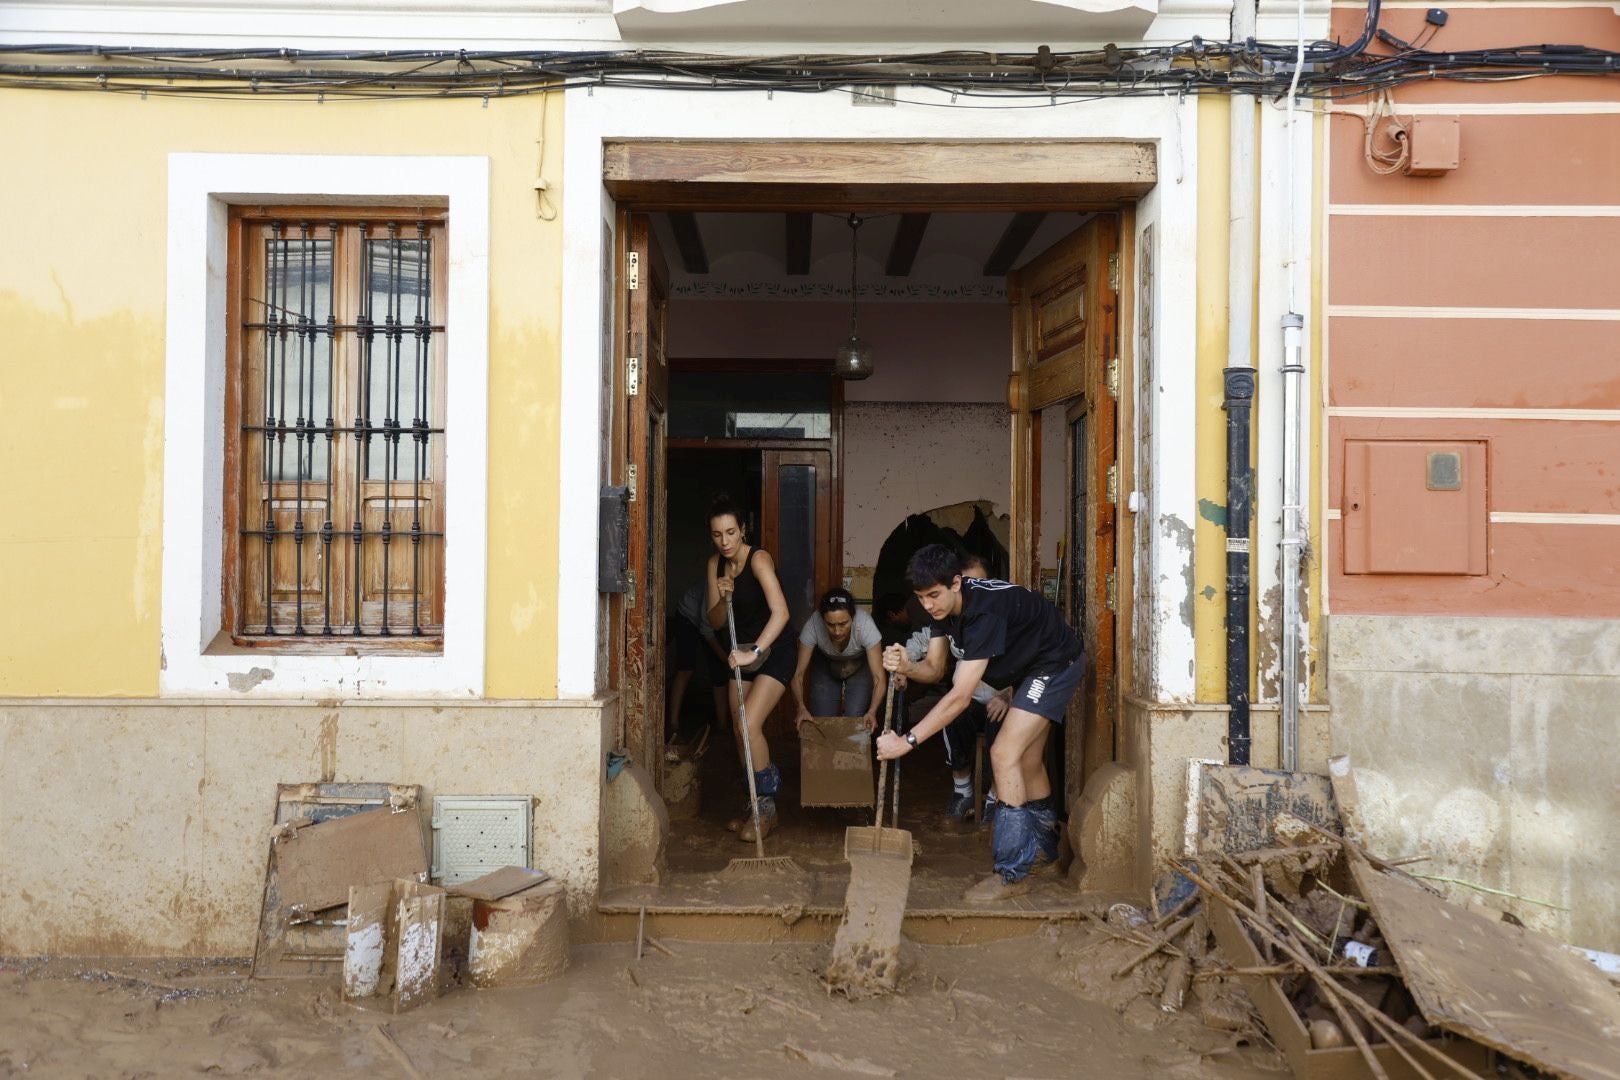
column 1020, row 632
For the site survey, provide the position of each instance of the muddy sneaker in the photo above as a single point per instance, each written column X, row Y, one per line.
column 767, row 822
column 994, row 889
column 1044, row 868
column 744, row 816
column 960, row 808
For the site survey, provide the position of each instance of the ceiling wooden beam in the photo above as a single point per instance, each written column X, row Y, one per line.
column 798, row 243
column 689, row 240
column 907, row 239
column 1013, row 241
column 872, row 176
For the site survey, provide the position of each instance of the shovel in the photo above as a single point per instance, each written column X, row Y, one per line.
column 866, row 952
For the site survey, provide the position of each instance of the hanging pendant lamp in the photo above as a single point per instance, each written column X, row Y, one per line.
column 854, row 360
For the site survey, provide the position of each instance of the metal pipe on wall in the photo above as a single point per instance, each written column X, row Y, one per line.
column 1239, row 383
column 1293, row 532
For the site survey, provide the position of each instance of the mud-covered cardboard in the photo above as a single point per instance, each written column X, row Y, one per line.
column 835, row 762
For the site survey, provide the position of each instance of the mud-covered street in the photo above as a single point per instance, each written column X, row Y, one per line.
column 1039, row 1006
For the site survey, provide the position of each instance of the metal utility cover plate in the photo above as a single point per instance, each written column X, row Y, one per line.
column 476, row 834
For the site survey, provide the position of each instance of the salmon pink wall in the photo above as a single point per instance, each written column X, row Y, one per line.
column 1483, row 304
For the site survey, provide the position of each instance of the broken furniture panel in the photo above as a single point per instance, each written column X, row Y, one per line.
column 298, row 942
column 1515, row 989
column 396, row 944
column 835, row 762
column 320, row 861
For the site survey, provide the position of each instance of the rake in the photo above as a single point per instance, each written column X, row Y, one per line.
column 761, row 865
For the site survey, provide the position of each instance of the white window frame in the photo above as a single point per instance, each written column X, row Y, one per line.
column 198, row 658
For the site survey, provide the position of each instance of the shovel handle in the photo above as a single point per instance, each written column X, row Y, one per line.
column 883, row 773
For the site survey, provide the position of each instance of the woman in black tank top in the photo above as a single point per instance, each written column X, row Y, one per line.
column 748, row 576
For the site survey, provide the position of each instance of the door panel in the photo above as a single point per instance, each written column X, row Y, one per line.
column 646, row 291
column 1065, row 334
column 797, row 508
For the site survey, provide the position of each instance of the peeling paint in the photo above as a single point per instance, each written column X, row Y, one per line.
column 1180, row 533
column 1212, row 512
column 243, row 681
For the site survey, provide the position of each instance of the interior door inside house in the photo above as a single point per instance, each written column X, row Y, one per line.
column 644, row 280
column 1065, row 329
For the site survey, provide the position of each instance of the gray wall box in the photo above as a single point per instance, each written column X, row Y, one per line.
column 475, row 834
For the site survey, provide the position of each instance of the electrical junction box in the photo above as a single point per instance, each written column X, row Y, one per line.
column 1414, row 507
column 1434, row 145
column 474, row 835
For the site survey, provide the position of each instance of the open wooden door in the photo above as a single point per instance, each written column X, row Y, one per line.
column 645, row 284
column 1065, row 353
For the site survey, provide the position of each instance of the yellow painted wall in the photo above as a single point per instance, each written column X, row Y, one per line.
column 1209, row 534
column 82, row 298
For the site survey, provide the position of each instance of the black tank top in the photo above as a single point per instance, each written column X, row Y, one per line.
column 748, row 601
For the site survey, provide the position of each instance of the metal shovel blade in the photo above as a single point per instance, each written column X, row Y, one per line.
column 866, row 952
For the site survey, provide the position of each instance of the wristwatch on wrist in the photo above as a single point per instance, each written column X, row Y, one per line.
column 911, row 737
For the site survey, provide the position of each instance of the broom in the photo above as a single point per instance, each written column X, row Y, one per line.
column 779, row 864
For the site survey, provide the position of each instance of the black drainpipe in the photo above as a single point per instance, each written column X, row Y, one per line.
column 1239, row 508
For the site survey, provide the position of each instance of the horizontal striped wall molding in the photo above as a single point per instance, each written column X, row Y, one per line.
column 1383, row 311
column 1477, row 108
column 1483, row 412
column 1454, row 210
column 1513, row 517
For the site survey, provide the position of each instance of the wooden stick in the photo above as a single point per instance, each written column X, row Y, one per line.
column 654, row 943
column 1294, row 969
column 1169, row 936
column 1361, row 905
column 778, row 1002
column 396, row 1051
column 641, row 931
column 1376, row 1019
column 1170, row 916
column 1323, row 978
column 1257, row 885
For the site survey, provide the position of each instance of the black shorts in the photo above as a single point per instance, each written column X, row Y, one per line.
column 1049, row 695
column 780, row 663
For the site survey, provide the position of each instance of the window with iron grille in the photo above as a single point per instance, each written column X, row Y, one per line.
column 336, row 435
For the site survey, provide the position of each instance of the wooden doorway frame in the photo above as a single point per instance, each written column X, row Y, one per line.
column 653, row 175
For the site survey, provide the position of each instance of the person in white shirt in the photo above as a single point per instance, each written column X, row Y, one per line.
column 841, row 660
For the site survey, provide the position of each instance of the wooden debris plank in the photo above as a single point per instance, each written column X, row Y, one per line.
column 1514, row 989
column 499, row 884
column 318, row 863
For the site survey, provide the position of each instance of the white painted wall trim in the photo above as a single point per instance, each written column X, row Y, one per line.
column 202, row 188
column 1462, row 210
column 1477, row 108
column 1419, row 311
column 1282, row 286
column 300, row 24
column 1512, row 517
column 1424, row 412
column 616, row 113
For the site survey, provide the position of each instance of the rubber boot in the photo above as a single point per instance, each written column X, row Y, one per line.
column 766, row 783
column 767, row 820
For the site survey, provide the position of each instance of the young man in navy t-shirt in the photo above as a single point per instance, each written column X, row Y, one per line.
column 1008, row 636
